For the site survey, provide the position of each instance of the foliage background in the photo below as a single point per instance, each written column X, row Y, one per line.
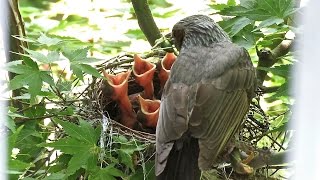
column 48, row 137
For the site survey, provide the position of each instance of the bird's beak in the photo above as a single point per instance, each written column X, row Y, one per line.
column 149, row 112
column 144, row 72
column 166, row 64
column 119, row 84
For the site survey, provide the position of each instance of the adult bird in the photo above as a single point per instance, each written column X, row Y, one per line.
column 204, row 101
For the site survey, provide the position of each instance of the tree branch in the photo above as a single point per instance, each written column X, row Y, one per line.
column 146, row 21
column 266, row 158
column 15, row 28
column 267, row 58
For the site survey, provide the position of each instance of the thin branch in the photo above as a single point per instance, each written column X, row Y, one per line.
column 146, row 21
column 269, row 89
column 266, row 158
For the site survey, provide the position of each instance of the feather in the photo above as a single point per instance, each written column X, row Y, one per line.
column 203, row 103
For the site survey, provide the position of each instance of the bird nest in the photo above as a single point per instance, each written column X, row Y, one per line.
column 100, row 106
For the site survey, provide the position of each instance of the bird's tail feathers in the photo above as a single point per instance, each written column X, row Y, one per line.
column 182, row 162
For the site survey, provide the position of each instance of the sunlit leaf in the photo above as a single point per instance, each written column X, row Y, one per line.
column 18, row 68
column 90, row 70
column 135, row 33
column 78, row 55
column 260, row 10
column 282, row 70
column 282, row 91
column 10, row 124
column 269, row 22
column 45, row 40
column 53, row 56
column 231, row 2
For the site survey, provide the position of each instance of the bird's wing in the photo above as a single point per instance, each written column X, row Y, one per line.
column 208, row 94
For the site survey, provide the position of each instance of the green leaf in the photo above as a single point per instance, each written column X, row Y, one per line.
column 78, row 55
column 238, row 25
column 92, row 161
column 282, row 70
column 269, row 22
column 126, row 159
column 254, row 14
column 37, row 56
column 248, row 3
column 218, row 7
column 113, row 171
column 35, row 83
column 45, row 40
column 260, row 10
column 87, row 129
column 246, row 38
column 18, row 82
column 69, row 145
column 283, row 91
column 77, row 161
column 29, row 62
column 81, row 132
column 47, row 78
column 55, row 176
column 166, row 14
column 53, row 56
column 147, row 171
column 9, row 123
column 35, row 111
column 89, row 70
column 30, row 76
column 277, row 8
column 109, row 171
column 64, row 86
column 223, row 5
column 231, row 3
column 13, row 138
column 135, row 33
column 18, row 68
column 17, row 165
column 101, row 175
column 281, row 128
column 77, row 70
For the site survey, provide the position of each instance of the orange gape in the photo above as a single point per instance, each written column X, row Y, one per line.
column 144, row 72
column 149, row 112
column 119, row 83
column 166, row 64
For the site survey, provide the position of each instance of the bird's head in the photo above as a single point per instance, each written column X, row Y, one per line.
column 197, row 30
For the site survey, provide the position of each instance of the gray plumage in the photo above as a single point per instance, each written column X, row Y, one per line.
column 205, row 99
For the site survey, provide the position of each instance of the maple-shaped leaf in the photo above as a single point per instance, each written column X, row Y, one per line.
column 79, row 62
